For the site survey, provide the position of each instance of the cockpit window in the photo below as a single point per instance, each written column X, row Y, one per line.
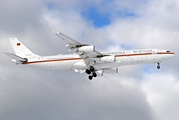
column 168, row 51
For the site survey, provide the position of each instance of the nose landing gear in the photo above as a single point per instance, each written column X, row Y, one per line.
column 158, row 66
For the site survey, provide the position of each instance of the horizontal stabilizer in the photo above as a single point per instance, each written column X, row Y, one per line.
column 17, row 58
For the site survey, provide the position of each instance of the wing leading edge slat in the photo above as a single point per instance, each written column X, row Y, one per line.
column 72, row 45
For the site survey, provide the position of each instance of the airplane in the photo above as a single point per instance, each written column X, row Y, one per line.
column 86, row 59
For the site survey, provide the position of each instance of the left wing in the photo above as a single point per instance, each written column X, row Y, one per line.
column 87, row 52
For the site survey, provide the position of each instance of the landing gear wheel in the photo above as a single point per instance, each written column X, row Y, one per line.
column 94, row 74
column 90, row 77
column 158, row 67
column 88, row 71
column 91, row 68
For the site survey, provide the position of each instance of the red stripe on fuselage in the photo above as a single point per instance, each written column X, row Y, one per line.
column 133, row 54
column 33, row 62
column 123, row 55
column 165, row 53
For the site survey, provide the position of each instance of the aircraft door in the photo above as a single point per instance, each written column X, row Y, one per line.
column 154, row 55
column 40, row 61
column 159, row 55
column 128, row 57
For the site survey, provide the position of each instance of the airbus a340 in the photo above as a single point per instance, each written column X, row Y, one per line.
column 86, row 59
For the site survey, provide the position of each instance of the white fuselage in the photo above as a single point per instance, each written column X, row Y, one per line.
column 128, row 57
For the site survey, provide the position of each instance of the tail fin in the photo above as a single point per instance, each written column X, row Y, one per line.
column 20, row 49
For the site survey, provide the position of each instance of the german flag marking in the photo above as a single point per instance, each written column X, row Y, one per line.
column 18, row 44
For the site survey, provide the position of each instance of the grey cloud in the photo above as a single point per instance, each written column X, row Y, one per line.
column 27, row 95
column 162, row 91
column 16, row 16
column 33, row 93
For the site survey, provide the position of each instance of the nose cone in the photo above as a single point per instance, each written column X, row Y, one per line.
column 171, row 54
column 165, row 55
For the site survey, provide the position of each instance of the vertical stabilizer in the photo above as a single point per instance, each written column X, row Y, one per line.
column 20, row 49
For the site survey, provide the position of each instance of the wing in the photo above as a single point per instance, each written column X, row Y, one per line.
column 87, row 52
column 98, row 63
column 70, row 42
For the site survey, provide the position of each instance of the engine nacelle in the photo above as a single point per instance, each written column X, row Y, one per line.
column 107, row 71
column 89, row 48
column 111, row 71
column 111, row 58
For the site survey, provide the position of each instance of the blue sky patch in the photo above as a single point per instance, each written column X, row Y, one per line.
column 150, row 69
column 126, row 14
column 146, row 69
column 99, row 19
column 126, row 47
column 50, row 6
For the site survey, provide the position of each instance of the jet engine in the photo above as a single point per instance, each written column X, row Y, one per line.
column 89, row 48
column 107, row 71
column 111, row 58
column 110, row 70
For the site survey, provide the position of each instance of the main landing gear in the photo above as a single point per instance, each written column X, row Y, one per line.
column 91, row 72
column 158, row 66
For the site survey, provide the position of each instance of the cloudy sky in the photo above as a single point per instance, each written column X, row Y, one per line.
column 135, row 93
